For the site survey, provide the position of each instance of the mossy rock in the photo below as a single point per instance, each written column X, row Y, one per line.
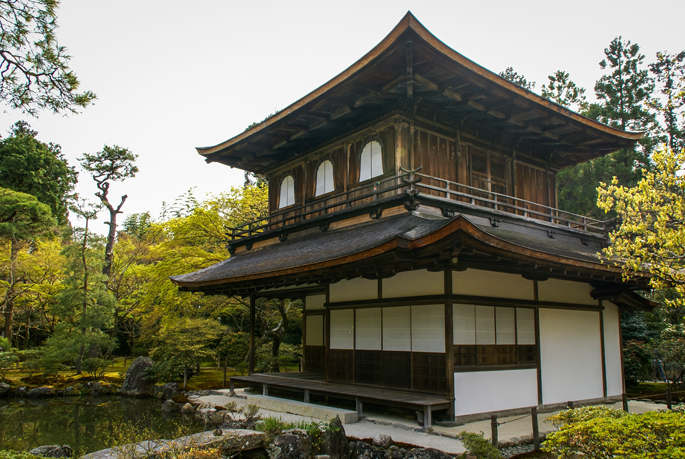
column 180, row 398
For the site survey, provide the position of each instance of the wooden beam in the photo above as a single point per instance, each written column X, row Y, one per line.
column 453, row 95
column 340, row 112
column 298, row 134
column 366, row 98
column 425, row 82
column 476, row 105
column 497, row 114
column 393, row 83
column 279, row 144
column 410, row 70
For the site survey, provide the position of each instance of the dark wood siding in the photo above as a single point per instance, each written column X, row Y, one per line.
column 437, row 155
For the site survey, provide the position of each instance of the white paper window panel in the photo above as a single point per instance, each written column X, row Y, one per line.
column 314, row 302
column 464, row 320
column 287, row 197
column 354, row 289
column 342, row 329
column 563, row 291
column 397, row 328
column 414, row 283
column 368, row 329
column 506, row 325
column 485, row 325
column 525, row 325
column 324, row 178
column 488, row 283
column 428, row 328
column 314, row 328
column 371, row 161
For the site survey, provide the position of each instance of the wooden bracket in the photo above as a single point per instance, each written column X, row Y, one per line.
column 283, row 237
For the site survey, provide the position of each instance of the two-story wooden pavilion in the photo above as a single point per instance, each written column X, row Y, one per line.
column 412, row 207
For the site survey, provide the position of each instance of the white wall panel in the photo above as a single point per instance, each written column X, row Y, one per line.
column 368, row 329
column 485, row 391
column 562, row 291
column 428, row 328
column 571, row 357
column 342, row 329
column 354, row 290
column 314, row 302
column 464, row 321
column 314, row 330
column 397, row 329
column 612, row 349
column 525, row 325
column 414, row 283
column 488, row 283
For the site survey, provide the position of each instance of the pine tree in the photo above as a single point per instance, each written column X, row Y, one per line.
column 669, row 73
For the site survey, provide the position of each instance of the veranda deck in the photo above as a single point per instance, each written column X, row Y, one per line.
column 308, row 383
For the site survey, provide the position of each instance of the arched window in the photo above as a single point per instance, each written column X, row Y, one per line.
column 287, row 197
column 324, row 178
column 371, row 161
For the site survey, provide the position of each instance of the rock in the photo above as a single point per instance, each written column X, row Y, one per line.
column 384, row 441
column 135, row 384
column 52, row 451
column 169, row 406
column 21, row 391
column 180, row 398
column 93, row 388
column 291, row 444
column 334, row 441
column 170, row 390
column 210, row 416
column 366, row 451
column 4, row 388
column 40, row 392
column 426, row 453
column 188, row 409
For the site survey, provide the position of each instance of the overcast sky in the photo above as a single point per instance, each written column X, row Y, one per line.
column 173, row 75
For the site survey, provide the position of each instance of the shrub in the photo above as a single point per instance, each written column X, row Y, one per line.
column 608, row 435
column 4, row 344
column 95, row 367
column 584, row 413
column 477, row 445
column 9, row 454
column 8, row 360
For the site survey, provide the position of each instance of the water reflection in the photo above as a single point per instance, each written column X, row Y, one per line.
column 80, row 422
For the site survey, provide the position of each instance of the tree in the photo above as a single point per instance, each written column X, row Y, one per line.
column 518, row 79
column 22, row 218
column 34, row 68
column 31, row 166
column 112, row 164
column 565, row 92
column 669, row 73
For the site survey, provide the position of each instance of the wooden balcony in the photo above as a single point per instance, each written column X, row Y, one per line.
column 451, row 197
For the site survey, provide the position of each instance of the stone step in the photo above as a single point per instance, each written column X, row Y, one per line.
column 325, row 413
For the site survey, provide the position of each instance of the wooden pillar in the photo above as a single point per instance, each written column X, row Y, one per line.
column 253, row 306
column 537, row 344
column 493, row 430
column 449, row 342
column 603, row 350
column 623, row 371
column 536, row 429
column 410, row 70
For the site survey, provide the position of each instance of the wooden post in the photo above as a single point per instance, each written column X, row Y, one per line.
column 668, row 395
column 359, row 407
column 536, row 429
column 449, row 342
column 493, row 428
column 250, row 365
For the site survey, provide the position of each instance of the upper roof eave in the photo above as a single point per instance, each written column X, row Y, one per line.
column 409, row 22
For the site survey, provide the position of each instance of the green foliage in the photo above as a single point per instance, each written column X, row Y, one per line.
column 564, row 92
column 4, row 344
column 477, row 445
column 22, row 216
column 95, row 366
column 637, row 361
column 583, row 414
column 669, row 76
column 8, row 360
column 33, row 167
column 35, row 68
column 9, row 454
column 607, row 434
column 137, row 224
column 518, row 79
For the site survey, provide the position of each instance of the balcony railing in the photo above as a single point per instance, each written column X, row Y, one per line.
column 451, row 194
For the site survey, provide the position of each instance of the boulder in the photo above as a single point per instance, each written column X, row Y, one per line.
column 4, row 388
column 52, row 451
column 40, row 392
column 334, row 441
column 291, row 444
column 94, row 388
column 135, row 384
column 426, row 453
column 366, row 451
column 170, row 390
column 210, row 416
column 188, row 409
column 169, row 406
column 384, row 441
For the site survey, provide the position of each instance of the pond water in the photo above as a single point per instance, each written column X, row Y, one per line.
column 86, row 424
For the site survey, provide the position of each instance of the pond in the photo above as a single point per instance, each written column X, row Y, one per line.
column 86, row 424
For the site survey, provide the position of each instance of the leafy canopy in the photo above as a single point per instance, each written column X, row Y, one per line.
column 22, row 216
column 34, row 68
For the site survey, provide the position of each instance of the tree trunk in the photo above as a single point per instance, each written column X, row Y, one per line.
column 111, row 238
column 79, row 362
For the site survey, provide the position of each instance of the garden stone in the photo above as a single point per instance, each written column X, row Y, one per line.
column 384, row 441
column 21, row 391
column 170, row 390
column 291, row 444
column 427, row 453
column 169, row 406
column 188, row 409
column 334, row 441
column 40, row 392
column 4, row 388
column 135, row 384
column 366, row 451
column 93, row 388
column 52, row 451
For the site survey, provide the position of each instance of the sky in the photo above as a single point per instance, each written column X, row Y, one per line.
column 174, row 75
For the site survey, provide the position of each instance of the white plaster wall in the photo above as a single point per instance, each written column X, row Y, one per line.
column 571, row 359
column 488, row 283
column 342, row 329
column 354, row 290
column 485, row 391
column 314, row 330
column 368, row 329
column 313, row 302
column 612, row 349
column 397, row 328
column 563, row 291
column 428, row 328
column 414, row 283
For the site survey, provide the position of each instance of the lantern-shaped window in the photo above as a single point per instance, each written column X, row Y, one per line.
column 371, row 161
column 324, row 178
column 287, row 197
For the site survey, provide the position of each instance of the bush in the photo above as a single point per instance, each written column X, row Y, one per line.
column 95, row 367
column 4, row 344
column 583, row 414
column 8, row 360
column 477, row 445
column 605, row 434
column 9, row 454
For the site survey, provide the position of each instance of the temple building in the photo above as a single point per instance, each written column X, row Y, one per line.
column 413, row 209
